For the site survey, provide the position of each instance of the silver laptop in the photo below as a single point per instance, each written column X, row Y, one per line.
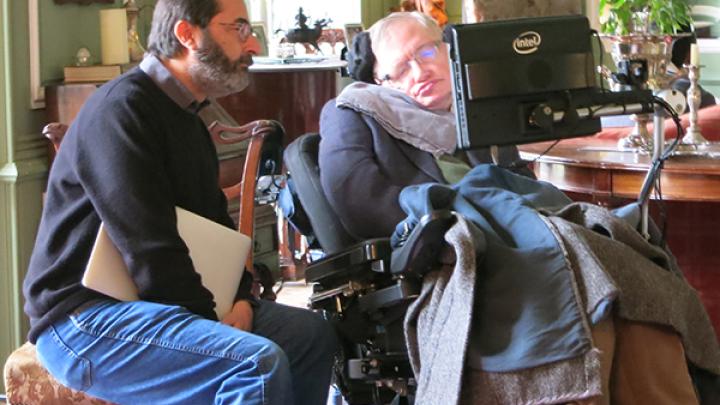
column 218, row 254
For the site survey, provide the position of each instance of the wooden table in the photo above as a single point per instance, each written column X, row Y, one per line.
column 590, row 169
column 594, row 167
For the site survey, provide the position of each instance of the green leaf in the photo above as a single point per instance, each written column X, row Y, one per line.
column 668, row 15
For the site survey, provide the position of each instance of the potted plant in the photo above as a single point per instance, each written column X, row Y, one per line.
column 658, row 17
column 640, row 35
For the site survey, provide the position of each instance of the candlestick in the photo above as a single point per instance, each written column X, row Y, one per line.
column 136, row 48
column 693, row 135
column 694, row 55
column 113, row 36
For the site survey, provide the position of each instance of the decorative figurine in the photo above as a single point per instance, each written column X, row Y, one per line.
column 83, row 57
column 301, row 19
column 304, row 34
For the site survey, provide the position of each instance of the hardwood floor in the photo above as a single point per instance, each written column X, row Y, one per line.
column 295, row 293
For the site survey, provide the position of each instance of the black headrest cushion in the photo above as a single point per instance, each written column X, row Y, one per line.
column 361, row 60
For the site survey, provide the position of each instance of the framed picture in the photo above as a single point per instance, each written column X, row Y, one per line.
column 258, row 31
column 350, row 31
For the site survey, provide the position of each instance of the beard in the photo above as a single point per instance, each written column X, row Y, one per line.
column 215, row 73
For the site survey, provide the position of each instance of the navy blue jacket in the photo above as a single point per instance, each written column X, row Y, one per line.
column 363, row 169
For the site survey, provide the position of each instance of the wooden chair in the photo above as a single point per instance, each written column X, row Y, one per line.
column 234, row 182
column 26, row 380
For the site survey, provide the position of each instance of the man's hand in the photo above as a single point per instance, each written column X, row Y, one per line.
column 240, row 316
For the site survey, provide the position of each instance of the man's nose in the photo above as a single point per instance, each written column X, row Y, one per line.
column 252, row 45
column 417, row 70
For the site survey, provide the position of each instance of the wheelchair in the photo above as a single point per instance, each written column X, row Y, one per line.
column 363, row 287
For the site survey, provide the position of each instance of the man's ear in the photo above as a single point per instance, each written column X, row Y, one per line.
column 187, row 34
column 375, row 77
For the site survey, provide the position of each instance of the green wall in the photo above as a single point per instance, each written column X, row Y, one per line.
column 373, row 10
column 23, row 167
column 60, row 40
column 66, row 38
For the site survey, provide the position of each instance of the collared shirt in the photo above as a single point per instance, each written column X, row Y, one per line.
column 453, row 167
column 170, row 85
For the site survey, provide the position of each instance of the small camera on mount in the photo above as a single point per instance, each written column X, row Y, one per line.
column 633, row 73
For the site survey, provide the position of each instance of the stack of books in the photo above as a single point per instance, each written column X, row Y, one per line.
column 95, row 73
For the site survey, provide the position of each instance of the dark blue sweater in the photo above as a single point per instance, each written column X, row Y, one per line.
column 130, row 157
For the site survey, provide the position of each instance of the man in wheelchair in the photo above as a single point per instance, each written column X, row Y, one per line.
column 454, row 308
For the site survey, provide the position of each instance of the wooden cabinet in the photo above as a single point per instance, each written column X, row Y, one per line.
column 63, row 101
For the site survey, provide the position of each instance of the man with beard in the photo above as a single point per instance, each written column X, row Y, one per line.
column 136, row 150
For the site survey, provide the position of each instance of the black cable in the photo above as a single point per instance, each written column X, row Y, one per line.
column 277, row 181
column 662, row 212
column 653, row 175
column 653, row 179
column 549, row 148
column 668, row 152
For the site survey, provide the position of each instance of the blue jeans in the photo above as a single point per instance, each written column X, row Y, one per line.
column 146, row 353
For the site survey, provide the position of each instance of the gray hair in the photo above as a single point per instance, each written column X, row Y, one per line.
column 380, row 28
column 162, row 40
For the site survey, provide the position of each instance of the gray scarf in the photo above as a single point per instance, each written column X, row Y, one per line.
column 402, row 117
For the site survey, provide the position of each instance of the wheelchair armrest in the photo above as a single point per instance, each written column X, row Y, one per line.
column 422, row 247
column 418, row 254
column 375, row 252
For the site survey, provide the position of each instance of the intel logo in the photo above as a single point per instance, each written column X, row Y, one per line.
column 527, row 42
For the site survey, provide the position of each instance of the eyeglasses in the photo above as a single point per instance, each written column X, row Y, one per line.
column 242, row 28
column 424, row 54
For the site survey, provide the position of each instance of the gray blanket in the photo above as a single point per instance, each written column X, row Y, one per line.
column 611, row 264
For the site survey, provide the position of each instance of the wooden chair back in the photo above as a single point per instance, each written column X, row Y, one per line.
column 242, row 183
column 55, row 132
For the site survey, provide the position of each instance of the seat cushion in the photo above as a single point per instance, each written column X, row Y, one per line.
column 28, row 382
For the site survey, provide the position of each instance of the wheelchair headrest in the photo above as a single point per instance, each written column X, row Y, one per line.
column 301, row 158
